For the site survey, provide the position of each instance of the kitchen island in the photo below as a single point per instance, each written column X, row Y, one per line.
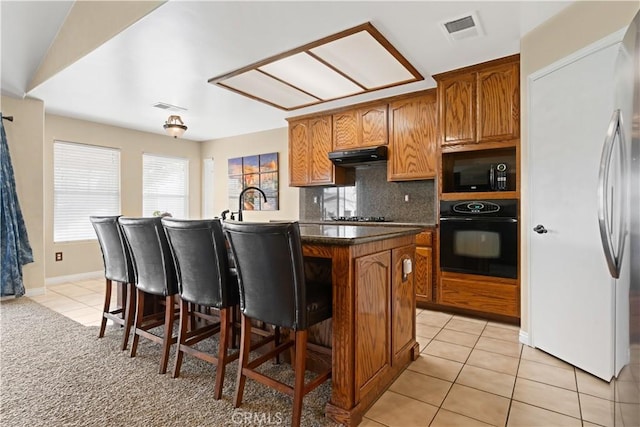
column 372, row 336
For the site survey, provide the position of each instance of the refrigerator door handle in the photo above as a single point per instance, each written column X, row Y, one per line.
column 613, row 256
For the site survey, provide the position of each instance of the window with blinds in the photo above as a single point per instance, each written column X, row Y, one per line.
column 165, row 185
column 86, row 182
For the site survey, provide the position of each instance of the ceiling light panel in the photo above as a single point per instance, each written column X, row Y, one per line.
column 256, row 84
column 354, row 61
column 363, row 58
column 312, row 76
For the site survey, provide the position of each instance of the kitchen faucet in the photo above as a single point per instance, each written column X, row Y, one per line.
column 242, row 195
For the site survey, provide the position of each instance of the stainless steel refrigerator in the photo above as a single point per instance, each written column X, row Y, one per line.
column 624, row 130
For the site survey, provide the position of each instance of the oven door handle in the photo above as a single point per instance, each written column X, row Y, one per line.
column 476, row 219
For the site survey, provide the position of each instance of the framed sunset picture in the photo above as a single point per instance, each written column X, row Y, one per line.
column 260, row 171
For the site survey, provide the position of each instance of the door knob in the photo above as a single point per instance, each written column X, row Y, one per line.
column 540, row 229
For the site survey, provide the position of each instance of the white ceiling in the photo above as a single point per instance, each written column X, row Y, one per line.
column 169, row 55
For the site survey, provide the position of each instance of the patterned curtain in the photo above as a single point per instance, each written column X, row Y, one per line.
column 15, row 250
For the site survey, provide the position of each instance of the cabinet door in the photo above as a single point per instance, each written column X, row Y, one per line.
column 413, row 139
column 373, row 126
column 457, row 109
column 372, row 320
column 498, row 103
column 298, row 153
column 424, row 273
column 403, row 299
column 320, row 167
column 345, row 130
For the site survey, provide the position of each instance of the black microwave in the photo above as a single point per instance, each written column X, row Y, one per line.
column 480, row 177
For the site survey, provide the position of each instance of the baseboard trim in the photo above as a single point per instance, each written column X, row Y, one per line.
column 73, row 277
column 524, row 337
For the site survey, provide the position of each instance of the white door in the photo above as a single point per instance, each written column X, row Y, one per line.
column 571, row 292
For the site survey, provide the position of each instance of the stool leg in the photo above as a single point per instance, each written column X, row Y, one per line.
column 105, row 309
column 298, row 391
column 182, row 336
column 234, row 331
column 222, row 351
column 245, row 345
column 129, row 310
column 168, row 333
column 138, row 321
column 276, row 342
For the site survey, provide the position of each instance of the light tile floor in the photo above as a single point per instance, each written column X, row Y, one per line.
column 470, row 372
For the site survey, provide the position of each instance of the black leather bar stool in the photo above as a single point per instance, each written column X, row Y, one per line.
column 273, row 289
column 204, row 280
column 117, row 268
column 155, row 275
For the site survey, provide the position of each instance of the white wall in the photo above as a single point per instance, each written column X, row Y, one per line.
column 221, row 150
column 84, row 256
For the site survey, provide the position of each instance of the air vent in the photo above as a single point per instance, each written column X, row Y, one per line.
column 464, row 27
column 169, row 107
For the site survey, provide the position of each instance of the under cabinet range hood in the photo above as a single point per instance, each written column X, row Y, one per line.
column 359, row 156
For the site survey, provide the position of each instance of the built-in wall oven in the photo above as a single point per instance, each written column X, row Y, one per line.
column 479, row 237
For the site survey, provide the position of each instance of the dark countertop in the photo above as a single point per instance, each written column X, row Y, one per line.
column 338, row 234
column 371, row 224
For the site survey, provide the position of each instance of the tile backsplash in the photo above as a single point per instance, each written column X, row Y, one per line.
column 373, row 195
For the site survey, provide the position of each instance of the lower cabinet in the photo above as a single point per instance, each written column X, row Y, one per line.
column 385, row 315
column 424, row 267
column 373, row 314
column 492, row 295
column 403, row 293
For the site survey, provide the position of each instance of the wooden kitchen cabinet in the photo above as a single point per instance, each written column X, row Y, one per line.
column 498, row 100
column 360, row 127
column 372, row 329
column 413, row 138
column 492, row 295
column 403, row 300
column 309, row 147
column 424, row 267
column 457, row 109
column 372, row 320
column 480, row 104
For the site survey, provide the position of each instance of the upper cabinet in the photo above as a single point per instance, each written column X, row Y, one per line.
column 458, row 109
column 360, row 127
column 413, row 138
column 309, row 147
column 480, row 104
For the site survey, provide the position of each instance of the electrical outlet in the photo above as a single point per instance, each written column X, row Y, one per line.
column 58, row 256
column 406, row 197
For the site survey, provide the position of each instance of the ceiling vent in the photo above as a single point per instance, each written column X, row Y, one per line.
column 464, row 27
column 169, row 107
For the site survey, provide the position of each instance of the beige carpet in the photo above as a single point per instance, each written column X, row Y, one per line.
column 56, row 372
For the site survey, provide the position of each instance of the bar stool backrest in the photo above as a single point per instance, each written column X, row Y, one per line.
column 118, row 265
column 201, row 261
column 270, row 267
column 152, row 262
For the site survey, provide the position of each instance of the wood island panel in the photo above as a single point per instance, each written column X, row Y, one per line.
column 372, row 321
column 365, row 303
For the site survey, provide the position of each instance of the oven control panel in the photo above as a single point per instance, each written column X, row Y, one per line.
column 476, row 207
column 506, row 208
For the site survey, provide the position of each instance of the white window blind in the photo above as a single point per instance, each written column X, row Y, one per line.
column 165, row 185
column 86, row 182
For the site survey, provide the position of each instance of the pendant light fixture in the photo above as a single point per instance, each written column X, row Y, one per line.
column 175, row 126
